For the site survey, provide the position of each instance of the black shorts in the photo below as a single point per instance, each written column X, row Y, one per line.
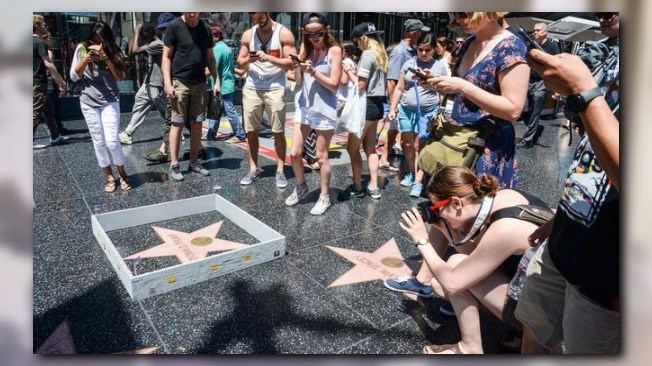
column 375, row 109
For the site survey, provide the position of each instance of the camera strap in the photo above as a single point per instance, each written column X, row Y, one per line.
column 480, row 218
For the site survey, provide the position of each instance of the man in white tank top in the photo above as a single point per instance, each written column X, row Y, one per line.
column 264, row 54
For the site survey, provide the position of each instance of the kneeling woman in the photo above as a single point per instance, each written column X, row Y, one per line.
column 489, row 248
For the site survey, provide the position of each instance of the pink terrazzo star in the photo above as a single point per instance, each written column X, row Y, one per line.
column 188, row 247
column 386, row 262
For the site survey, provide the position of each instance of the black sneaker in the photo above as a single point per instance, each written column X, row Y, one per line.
column 524, row 144
column 351, row 192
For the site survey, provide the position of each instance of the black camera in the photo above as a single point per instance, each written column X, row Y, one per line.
column 427, row 215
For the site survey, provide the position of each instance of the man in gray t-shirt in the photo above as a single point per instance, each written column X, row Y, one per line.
column 151, row 92
column 412, row 31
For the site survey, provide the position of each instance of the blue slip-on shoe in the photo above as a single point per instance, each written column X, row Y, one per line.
column 410, row 285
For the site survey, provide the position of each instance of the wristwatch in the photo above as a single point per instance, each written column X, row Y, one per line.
column 421, row 241
column 578, row 102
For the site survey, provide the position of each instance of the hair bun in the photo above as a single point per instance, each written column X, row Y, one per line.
column 486, row 184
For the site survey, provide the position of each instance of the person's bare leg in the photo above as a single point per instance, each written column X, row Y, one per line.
column 108, row 172
column 323, row 142
column 296, row 150
column 280, row 145
column 175, row 135
column 353, row 148
column 252, row 150
column 389, row 144
column 195, row 140
column 369, row 146
column 407, row 144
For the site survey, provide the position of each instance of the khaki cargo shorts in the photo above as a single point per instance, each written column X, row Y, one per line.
column 254, row 102
column 190, row 103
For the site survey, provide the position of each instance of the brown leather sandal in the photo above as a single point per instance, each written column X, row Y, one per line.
column 124, row 184
column 110, row 187
column 442, row 349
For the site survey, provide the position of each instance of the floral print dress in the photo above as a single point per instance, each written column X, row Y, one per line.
column 499, row 157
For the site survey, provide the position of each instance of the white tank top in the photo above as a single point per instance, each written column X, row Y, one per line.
column 265, row 75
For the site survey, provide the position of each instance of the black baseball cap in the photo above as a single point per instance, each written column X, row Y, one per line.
column 321, row 18
column 415, row 24
column 363, row 29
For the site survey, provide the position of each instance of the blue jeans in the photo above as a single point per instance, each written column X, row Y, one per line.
column 231, row 115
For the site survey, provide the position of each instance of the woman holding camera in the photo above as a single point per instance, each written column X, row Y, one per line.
column 98, row 64
column 463, row 213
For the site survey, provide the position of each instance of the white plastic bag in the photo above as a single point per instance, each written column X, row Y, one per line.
column 354, row 112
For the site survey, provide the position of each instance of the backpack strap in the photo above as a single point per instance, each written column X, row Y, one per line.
column 535, row 214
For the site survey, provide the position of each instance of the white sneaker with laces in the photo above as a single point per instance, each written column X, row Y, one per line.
column 298, row 193
column 321, row 206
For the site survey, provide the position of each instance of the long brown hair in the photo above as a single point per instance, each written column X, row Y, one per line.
column 307, row 46
column 103, row 30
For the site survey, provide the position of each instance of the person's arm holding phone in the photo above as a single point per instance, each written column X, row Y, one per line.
column 567, row 74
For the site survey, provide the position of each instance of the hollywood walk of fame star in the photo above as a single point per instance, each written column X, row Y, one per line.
column 60, row 342
column 386, row 262
column 188, row 247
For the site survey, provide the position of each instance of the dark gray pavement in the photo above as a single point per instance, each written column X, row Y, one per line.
column 284, row 306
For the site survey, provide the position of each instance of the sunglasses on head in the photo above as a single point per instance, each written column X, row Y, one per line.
column 314, row 35
column 605, row 16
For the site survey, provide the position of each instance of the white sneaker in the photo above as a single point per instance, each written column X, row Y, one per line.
column 298, row 193
column 321, row 206
column 124, row 138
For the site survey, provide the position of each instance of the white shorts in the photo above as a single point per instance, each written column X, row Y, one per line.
column 317, row 123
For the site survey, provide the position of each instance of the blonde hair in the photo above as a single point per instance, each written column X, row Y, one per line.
column 36, row 19
column 376, row 45
column 480, row 17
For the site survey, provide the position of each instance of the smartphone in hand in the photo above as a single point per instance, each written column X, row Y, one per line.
column 529, row 42
column 253, row 54
column 418, row 73
column 94, row 53
column 295, row 59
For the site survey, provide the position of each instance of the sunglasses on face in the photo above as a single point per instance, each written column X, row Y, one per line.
column 605, row 16
column 314, row 35
column 436, row 206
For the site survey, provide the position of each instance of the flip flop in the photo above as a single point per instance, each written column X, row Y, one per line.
column 442, row 349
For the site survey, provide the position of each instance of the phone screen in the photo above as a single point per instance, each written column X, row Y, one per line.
column 418, row 73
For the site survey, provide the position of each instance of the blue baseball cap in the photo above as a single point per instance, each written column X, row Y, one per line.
column 163, row 20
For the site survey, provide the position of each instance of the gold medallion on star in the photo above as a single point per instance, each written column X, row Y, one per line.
column 188, row 247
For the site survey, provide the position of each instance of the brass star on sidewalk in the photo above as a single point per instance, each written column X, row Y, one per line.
column 386, row 262
column 188, row 247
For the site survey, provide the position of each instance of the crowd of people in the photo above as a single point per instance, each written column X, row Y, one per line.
column 551, row 275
